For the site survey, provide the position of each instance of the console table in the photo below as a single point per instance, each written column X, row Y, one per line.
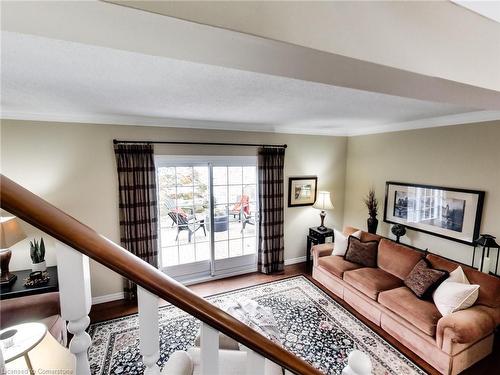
column 17, row 288
column 315, row 237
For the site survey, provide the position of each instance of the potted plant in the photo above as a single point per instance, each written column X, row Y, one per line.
column 371, row 203
column 37, row 252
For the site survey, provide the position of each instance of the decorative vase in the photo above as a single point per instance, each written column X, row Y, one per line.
column 39, row 267
column 372, row 224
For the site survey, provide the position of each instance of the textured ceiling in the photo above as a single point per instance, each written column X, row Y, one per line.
column 46, row 78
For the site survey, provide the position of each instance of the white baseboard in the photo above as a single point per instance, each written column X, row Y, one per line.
column 108, row 298
column 295, row 260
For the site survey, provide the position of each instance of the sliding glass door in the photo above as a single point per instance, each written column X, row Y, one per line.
column 235, row 210
column 208, row 214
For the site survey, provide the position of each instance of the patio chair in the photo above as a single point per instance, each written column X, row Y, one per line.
column 171, row 207
column 247, row 219
column 183, row 223
column 242, row 206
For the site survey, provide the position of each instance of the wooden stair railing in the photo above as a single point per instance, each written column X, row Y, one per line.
column 152, row 284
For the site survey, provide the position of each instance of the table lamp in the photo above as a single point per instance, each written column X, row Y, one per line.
column 323, row 202
column 32, row 350
column 10, row 234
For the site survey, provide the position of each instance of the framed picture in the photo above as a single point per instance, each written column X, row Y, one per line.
column 302, row 191
column 445, row 212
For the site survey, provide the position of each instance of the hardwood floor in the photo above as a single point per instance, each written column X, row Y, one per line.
column 110, row 310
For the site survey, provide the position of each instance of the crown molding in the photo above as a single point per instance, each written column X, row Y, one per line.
column 96, row 119
column 433, row 122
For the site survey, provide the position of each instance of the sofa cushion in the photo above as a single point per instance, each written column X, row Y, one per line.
column 372, row 281
column 489, row 286
column 423, row 279
column 337, row 265
column 365, row 236
column 396, row 258
column 363, row 253
column 402, row 301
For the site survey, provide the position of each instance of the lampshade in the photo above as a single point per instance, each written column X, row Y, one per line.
column 45, row 354
column 487, row 240
column 10, row 232
column 323, row 202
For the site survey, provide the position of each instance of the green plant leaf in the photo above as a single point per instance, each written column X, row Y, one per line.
column 42, row 250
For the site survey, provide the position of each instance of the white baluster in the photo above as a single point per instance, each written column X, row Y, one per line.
column 74, row 289
column 209, row 346
column 149, row 330
column 3, row 371
column 256, row 363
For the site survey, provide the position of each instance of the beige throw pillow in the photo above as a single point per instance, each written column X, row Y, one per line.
column 341, row 242
column 455, row 293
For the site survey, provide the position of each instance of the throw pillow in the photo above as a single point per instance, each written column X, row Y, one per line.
column 341, row 242
column 458, row 276
column 364, row 253
column 423, row 280
column 455, row 293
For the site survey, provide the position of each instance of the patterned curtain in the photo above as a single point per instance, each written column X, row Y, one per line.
column 137, row 204
column 271, row 243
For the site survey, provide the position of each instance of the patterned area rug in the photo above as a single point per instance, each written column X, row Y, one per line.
column 312, row 325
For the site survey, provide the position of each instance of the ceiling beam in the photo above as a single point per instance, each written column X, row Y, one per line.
column 434, row 38
column 108, row 25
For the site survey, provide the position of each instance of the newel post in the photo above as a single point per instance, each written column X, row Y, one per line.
column 74, row 290
column 149, row 330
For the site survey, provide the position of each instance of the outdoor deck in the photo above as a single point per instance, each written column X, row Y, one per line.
column 230, row 243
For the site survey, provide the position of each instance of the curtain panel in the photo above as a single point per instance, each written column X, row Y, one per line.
column 137, row 204
column 271, row 239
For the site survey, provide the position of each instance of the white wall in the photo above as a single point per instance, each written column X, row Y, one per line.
column 73, row 167
column 463, row 156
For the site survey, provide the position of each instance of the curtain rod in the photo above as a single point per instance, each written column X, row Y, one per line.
column 116, row 141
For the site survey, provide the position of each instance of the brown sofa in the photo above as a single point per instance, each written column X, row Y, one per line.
column 43, row 308
column 451, row 343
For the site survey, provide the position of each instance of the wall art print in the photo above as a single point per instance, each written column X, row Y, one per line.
column 445, row 212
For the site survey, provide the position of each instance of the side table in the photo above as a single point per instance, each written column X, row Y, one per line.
column 17, row 288
column 25, row 337
column 315, row 237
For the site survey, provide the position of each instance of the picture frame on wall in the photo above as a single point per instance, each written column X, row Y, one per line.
column 450, row 213
column 302, row 191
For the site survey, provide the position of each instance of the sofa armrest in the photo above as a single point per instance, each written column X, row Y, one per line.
column 466, row 326
column 23, row 309
column 321, row 250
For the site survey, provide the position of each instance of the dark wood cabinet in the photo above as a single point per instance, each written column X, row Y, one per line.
column 315, row 237
column 17, row 288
